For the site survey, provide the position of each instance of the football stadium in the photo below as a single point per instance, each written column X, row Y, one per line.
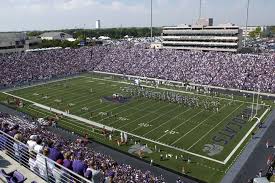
column 195, row 109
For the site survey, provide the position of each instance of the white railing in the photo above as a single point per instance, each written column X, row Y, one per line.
column 37, row 163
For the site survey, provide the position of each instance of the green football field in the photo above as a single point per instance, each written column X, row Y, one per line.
column 213, row 138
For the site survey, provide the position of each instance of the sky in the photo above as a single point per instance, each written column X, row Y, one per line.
column 22, row 15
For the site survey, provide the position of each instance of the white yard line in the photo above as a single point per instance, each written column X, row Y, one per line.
column 64, row 91
column 113, row 109
column 126, row 124
column 76, row 98
column 167, row 122
column 62, row 112
column 198, row 126
column 63, row 120
column 164, row 114
column 68, row 93
column 42, row 83
column 91, row 102
column 213, row 128
column 124, row 111
column 182, row 123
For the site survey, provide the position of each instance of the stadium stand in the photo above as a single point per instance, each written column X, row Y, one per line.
column 56, row 159
column 240, row 71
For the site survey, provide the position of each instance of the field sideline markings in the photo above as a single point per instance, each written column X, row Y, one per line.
column 245, row 137
column 234, row 160
column 115, row 108
column 73, row 123
column 214, row 127
column 42, row 83
column 111, row 128
column 184, row 121
column 92, row 77
column 75, row 99
column 107, row 110
column 68, row 92
column 126, row 124
column 90, row 102
column 58, row 91
column 64, row 91
column 138, row 110
column 167, row 121
column 164, row 114
column 178, row 91
column 178, row 82
column 54, row 97
column 198, row 125
column 137, row 136
column 207, row 166
column 124, row 111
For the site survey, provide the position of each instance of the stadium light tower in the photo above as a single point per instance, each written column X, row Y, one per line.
column 151, row 20
column 246, row 23
column 200, row 10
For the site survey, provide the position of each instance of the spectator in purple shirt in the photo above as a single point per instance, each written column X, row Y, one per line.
column 110, row 177
column 55, row 152
column 14, row 130
column 67, row 163
column 99, row 164
column 79, row 166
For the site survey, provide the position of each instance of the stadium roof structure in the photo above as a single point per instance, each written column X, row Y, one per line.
column 12, row 36
column 55, row 35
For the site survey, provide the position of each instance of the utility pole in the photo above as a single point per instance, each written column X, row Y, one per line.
column 246, row 23
column 151, row 20
column 84, row 34
column 200, row 10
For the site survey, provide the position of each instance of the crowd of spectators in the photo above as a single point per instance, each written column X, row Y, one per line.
column 240, row 71
column 72, row 154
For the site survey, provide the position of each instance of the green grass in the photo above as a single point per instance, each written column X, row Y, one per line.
column 162, row 122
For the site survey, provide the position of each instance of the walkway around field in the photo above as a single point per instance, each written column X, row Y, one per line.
column 246, row 166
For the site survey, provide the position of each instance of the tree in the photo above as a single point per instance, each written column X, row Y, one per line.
column 256, row 33
column 252, row 34
column 272, row 30
column 34, row 33
column 58, row 43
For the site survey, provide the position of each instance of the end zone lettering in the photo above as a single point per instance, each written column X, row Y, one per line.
column 232, row 128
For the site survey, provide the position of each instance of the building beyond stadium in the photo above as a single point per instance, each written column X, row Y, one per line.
column 16, row 42
column 200, row 37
